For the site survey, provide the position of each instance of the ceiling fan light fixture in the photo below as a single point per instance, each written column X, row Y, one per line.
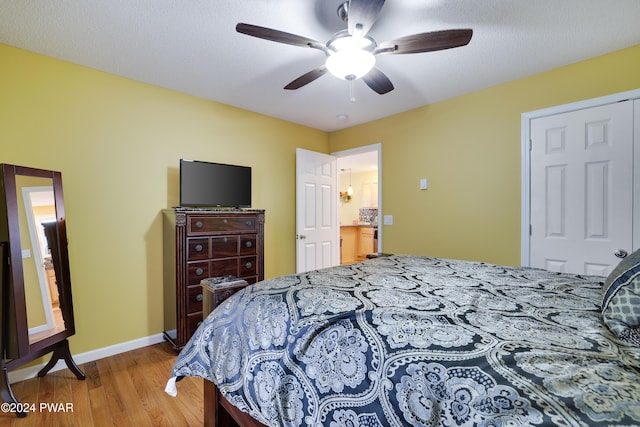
column 350, row 64
column 351, row 53
column 350, row 57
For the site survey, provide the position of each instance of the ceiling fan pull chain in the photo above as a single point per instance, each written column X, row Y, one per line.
column 352, row 95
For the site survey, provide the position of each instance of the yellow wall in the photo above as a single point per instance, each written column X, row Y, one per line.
column 118, row 143
column 469, row 148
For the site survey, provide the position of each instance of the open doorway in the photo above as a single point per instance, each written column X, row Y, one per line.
column 360, row 212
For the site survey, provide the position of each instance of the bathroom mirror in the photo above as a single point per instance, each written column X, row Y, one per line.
column 37, row 309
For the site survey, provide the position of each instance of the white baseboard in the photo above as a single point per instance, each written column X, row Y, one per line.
column 89, row 356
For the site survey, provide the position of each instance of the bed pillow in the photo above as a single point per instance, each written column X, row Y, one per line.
column 621, row 299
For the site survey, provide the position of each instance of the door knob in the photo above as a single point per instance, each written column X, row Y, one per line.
column 621, row 253
column 301, row 236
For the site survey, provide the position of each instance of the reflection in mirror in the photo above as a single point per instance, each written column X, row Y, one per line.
column 37, row 228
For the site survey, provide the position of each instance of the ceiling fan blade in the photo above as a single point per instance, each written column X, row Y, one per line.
column 278, row 36
column 307, row 78
column 362, row 15
column 427, row 42
column 378, row 81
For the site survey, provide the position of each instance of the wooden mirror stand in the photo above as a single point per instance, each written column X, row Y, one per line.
column 37, row 309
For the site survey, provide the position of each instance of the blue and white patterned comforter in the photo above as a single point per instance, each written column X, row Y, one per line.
column 408, row 340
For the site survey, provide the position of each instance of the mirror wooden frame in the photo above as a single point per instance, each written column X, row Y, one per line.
column 17, row 348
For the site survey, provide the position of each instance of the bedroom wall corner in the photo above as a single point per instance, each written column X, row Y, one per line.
column 469, row 148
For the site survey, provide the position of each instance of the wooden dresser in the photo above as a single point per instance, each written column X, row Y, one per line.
column 199, row 244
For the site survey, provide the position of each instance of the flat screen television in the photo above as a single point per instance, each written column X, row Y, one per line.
column 205, row 184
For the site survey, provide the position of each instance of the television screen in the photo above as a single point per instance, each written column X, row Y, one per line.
column 204, row 184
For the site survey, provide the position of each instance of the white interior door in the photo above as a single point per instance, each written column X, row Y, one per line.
column 317, row 227
column 582, row 189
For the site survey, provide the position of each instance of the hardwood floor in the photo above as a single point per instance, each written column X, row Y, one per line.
column 122, row 390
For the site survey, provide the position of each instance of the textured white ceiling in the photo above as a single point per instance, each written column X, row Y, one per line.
column 192, row 47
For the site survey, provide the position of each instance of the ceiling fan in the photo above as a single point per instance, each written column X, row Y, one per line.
column 351, row 52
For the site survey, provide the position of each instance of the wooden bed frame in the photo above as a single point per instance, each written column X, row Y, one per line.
column 218, row 411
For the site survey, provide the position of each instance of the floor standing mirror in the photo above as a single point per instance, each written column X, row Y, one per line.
column 37, row 309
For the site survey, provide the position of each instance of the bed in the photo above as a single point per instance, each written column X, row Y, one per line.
column 419, row 341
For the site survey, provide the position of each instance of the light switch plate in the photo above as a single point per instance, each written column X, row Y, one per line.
column 423, row 183
column 388, row 220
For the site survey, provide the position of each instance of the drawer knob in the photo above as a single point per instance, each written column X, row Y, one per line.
column 199, row 272
column 198, row 248
column 248, row 222
column 199, row 224
column 199, row 297
column 248, row 243
column 248, row 265
column 225, row 220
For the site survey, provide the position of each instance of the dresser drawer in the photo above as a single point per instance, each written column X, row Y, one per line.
column 194, row 299
column 248, row 244
column 224, row 247
column 205, row 225
column 224, row 267
column 221, row 295
column 193, row 320
column 197, row 249
column 247, row 266
column 196, row 271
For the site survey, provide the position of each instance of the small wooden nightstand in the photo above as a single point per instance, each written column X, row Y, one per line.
column 218, row 289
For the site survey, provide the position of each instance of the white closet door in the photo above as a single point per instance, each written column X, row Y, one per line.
column 582, row 189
